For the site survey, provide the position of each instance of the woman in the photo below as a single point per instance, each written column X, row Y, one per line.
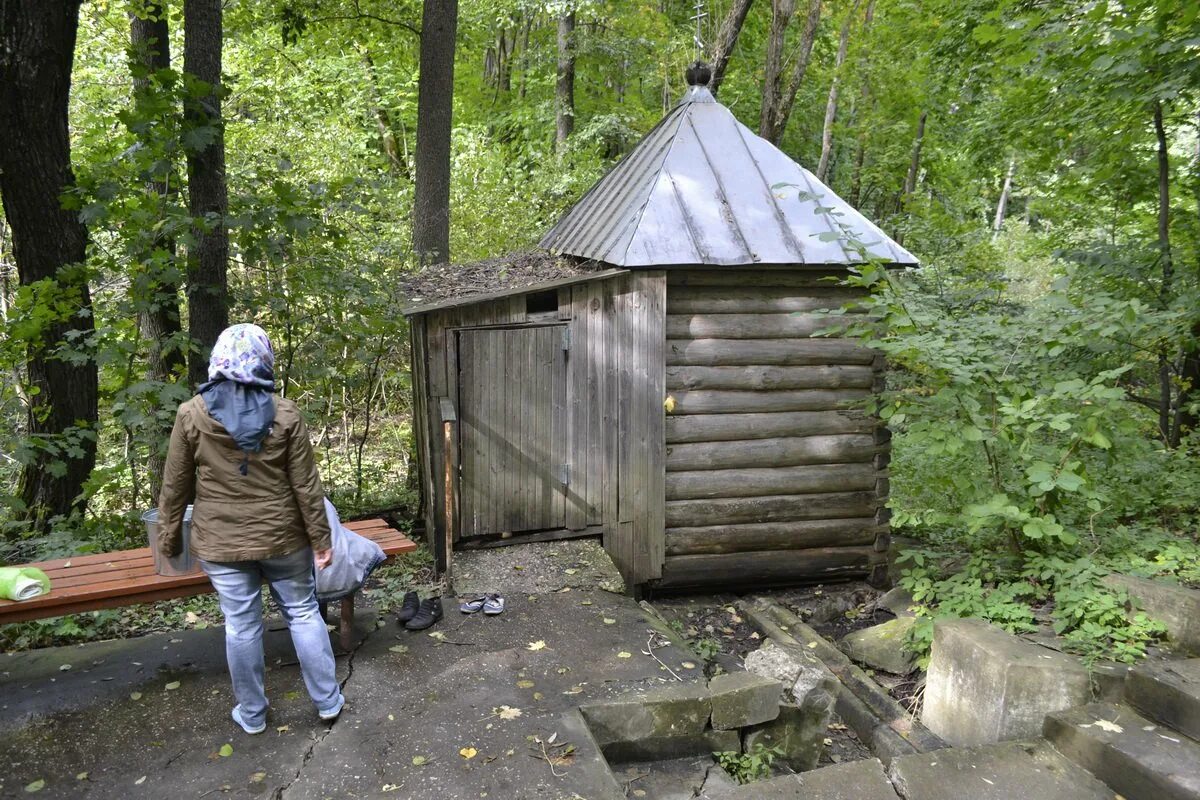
column 259, row 514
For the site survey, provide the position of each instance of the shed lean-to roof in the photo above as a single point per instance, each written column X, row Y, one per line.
column 701, row 188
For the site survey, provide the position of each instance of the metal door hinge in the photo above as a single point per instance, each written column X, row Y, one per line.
column 564, row 475
column 566, row 339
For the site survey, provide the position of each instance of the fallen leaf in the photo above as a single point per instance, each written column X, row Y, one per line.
column 571, row 571
column 292, row 695
column 639, row 792
column 538, row 695
column 624, row 654
column 399, row 648
column 36, row 786
column 418, row 761
column 468, row 752
column 507, row 712
column 669, row 404
column 538, row 645
column 283, row 729
column 441, row 637
column 827, row 741
column 389, row 787
column 574, row 690
column 553, row 736
column 64, row 667
column 226, row 750
column 586, row 603
column 135, row 696
column 609, row 621
column 258, row 777
column 191, row 618
column 82, row 776
column 140, row 781
column 172, row 686
column 67, row 564
column 391, row 717
column 1105, row 725
column 524, row 684
column 563, row 670
column 687, row 665
column 812, row 644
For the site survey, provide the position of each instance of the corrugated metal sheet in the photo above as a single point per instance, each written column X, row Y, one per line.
column 701, row 188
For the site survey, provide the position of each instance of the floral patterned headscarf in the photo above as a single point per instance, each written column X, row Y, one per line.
column 243, row 354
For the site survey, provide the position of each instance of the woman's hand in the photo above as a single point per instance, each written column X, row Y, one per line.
column 323, row 558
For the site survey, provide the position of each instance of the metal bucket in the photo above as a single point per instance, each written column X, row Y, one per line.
column 182, row 564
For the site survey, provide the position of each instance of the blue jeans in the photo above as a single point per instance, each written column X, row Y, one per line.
column 293, row 585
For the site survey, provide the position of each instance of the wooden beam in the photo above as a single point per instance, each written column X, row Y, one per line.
column 792, row 451
column 727, row 427
column 770, row 378
column 772, row 508
column 735, row 402
column 787, row 325
column 798, row 535
column 703, row 484
column 543, row 286
column 815, row 565
column 766, row 352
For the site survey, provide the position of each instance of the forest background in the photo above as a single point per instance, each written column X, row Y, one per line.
column 1041, row 158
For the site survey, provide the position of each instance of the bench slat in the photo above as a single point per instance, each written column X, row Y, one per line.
column 127, row 577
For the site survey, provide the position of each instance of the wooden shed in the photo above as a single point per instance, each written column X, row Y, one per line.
column 652, row 376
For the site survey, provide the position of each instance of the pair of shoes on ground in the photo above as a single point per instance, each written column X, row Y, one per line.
column 328, row 715
column 490, row 604
column 417, row 614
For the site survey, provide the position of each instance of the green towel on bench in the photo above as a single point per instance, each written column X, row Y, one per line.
column 22, row 583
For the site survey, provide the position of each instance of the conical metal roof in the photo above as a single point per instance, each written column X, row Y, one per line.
column 701, row 188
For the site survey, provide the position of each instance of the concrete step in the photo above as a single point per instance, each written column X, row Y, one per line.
column 1004, row 771
column 1168, row 692
column 1136, row 757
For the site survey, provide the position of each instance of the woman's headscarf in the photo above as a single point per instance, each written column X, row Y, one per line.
column 241, row 385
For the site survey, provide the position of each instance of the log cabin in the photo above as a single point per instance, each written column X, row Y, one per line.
column 660, row 374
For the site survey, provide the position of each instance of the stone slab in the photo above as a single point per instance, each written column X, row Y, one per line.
column 858, row 780
column 1005, row 771
column 666, row 747
column 797, row 668
column 985, row 685
column 882, row 646
column 1175, row 606
column 799, row 732
column 1168, row 692
column 1137, row 758
column 743, row 698
column 677, row 710
column 898, row 601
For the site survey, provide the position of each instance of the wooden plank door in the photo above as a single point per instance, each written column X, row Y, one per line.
column 512, row 388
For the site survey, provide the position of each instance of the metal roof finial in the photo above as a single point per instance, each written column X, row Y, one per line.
column 698, row 74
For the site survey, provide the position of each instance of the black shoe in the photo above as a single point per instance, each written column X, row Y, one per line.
column 429, row 613
column 408, row 609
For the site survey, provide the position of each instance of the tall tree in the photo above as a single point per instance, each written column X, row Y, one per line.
column 727, row 37
column 785, row 99
column 156, row 290
column 1002, row 203
column 389, row 142
column 832, row 103
column 564, row 86
column 781, row 16
column 435, row 113
column 37, row 45
column 208, row 202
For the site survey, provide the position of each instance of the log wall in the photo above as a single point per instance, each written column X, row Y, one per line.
column 775, row 472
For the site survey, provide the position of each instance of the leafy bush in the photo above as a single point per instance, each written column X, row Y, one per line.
column 753, row 765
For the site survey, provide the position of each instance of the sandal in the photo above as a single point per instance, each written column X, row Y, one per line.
column 493, row 604
column 473, row 604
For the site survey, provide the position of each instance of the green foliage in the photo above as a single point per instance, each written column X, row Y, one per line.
column 753, row 765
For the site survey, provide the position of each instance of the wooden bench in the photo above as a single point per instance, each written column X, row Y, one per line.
column 127, row 577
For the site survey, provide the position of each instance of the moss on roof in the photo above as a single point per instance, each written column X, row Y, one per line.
column 447, row 282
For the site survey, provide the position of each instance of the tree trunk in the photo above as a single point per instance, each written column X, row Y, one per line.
column 1168, row 270
column 564, row 87
column 158, row 300
column 388, row 141
column 860, row 151
column 37, row 45
column 208, row 291
column 914, row 163
column 1002, row 204
column 435, row 113
column 781, row 15
column 832, row 102
column 799, row 70
column 727, row 36
column 1189, row 372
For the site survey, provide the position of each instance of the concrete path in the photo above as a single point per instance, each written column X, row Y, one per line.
column 147, row 718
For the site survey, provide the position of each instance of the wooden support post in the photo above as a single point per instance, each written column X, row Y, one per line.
column 449, row 419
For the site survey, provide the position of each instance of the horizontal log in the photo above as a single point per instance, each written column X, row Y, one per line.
column 760, row 378
column 855, row 532
column 766, row 352
column 722, row 402
column 730, row 300
column 751, row 326
column 773, row 508
column 775, row 480
column 729, row 427
column 816, row 565
column 842, row 448
column 815, row 278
